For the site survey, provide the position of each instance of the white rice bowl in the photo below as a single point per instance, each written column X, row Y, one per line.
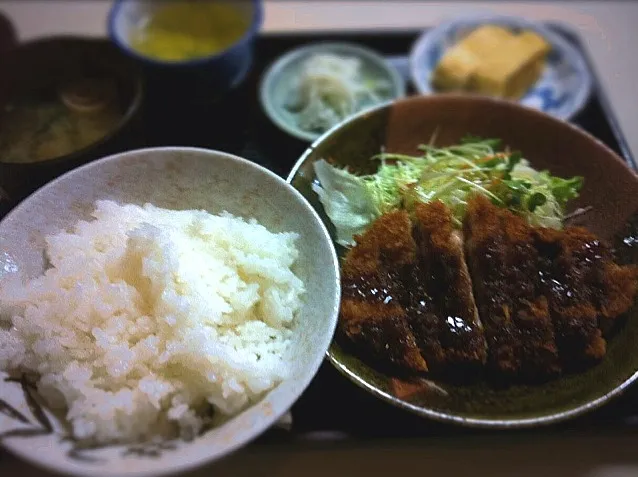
column 103, row 376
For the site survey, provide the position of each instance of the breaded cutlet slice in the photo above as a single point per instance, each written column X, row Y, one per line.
column 443, row 268
column 618, row 284
column 586, row 290
column 565, row 280
column 371, row 314
column 388, row 242
column 421, row 314
column 382, row 332
column 504, row 268
column 613, row 287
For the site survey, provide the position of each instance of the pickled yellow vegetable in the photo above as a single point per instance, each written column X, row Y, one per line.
column 186, row 30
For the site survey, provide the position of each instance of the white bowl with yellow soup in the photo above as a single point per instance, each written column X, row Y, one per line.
column 202, row 48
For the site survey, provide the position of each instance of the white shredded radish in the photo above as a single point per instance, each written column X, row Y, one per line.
column 330, row 88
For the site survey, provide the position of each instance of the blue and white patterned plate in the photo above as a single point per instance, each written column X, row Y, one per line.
column 562, row 90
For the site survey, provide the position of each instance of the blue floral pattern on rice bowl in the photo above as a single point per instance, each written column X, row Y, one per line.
column 562, row 90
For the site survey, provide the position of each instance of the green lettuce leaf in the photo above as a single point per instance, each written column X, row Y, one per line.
column 346, row 201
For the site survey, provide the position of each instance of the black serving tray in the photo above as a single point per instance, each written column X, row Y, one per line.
column 238, row 125
column 333, row 408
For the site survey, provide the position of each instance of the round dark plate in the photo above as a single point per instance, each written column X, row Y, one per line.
column 610, row 187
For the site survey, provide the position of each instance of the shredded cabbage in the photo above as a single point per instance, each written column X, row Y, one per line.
column 448, row 174
column 331, row 88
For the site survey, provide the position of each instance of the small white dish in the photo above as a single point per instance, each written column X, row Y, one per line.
column 563, row 89
column 175, row 178
column 277, row 82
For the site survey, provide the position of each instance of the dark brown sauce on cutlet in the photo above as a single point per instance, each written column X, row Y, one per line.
column 443, row 274
column 372, row 315
column 459, row 334
column 569, row 271
column 421, row 315
column 372, row 288
column 414, row 295
column 494, row 304
column 503, row 262
column 389, row 336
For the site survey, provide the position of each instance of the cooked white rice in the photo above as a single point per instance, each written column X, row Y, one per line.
column 149, row 317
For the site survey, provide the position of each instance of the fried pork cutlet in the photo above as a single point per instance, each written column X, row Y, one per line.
column 586, row 290
column 443, row 272
column 371, row 314
column 544, row 297
column 504, row 267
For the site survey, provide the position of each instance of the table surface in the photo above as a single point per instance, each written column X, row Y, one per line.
column 608, row 29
